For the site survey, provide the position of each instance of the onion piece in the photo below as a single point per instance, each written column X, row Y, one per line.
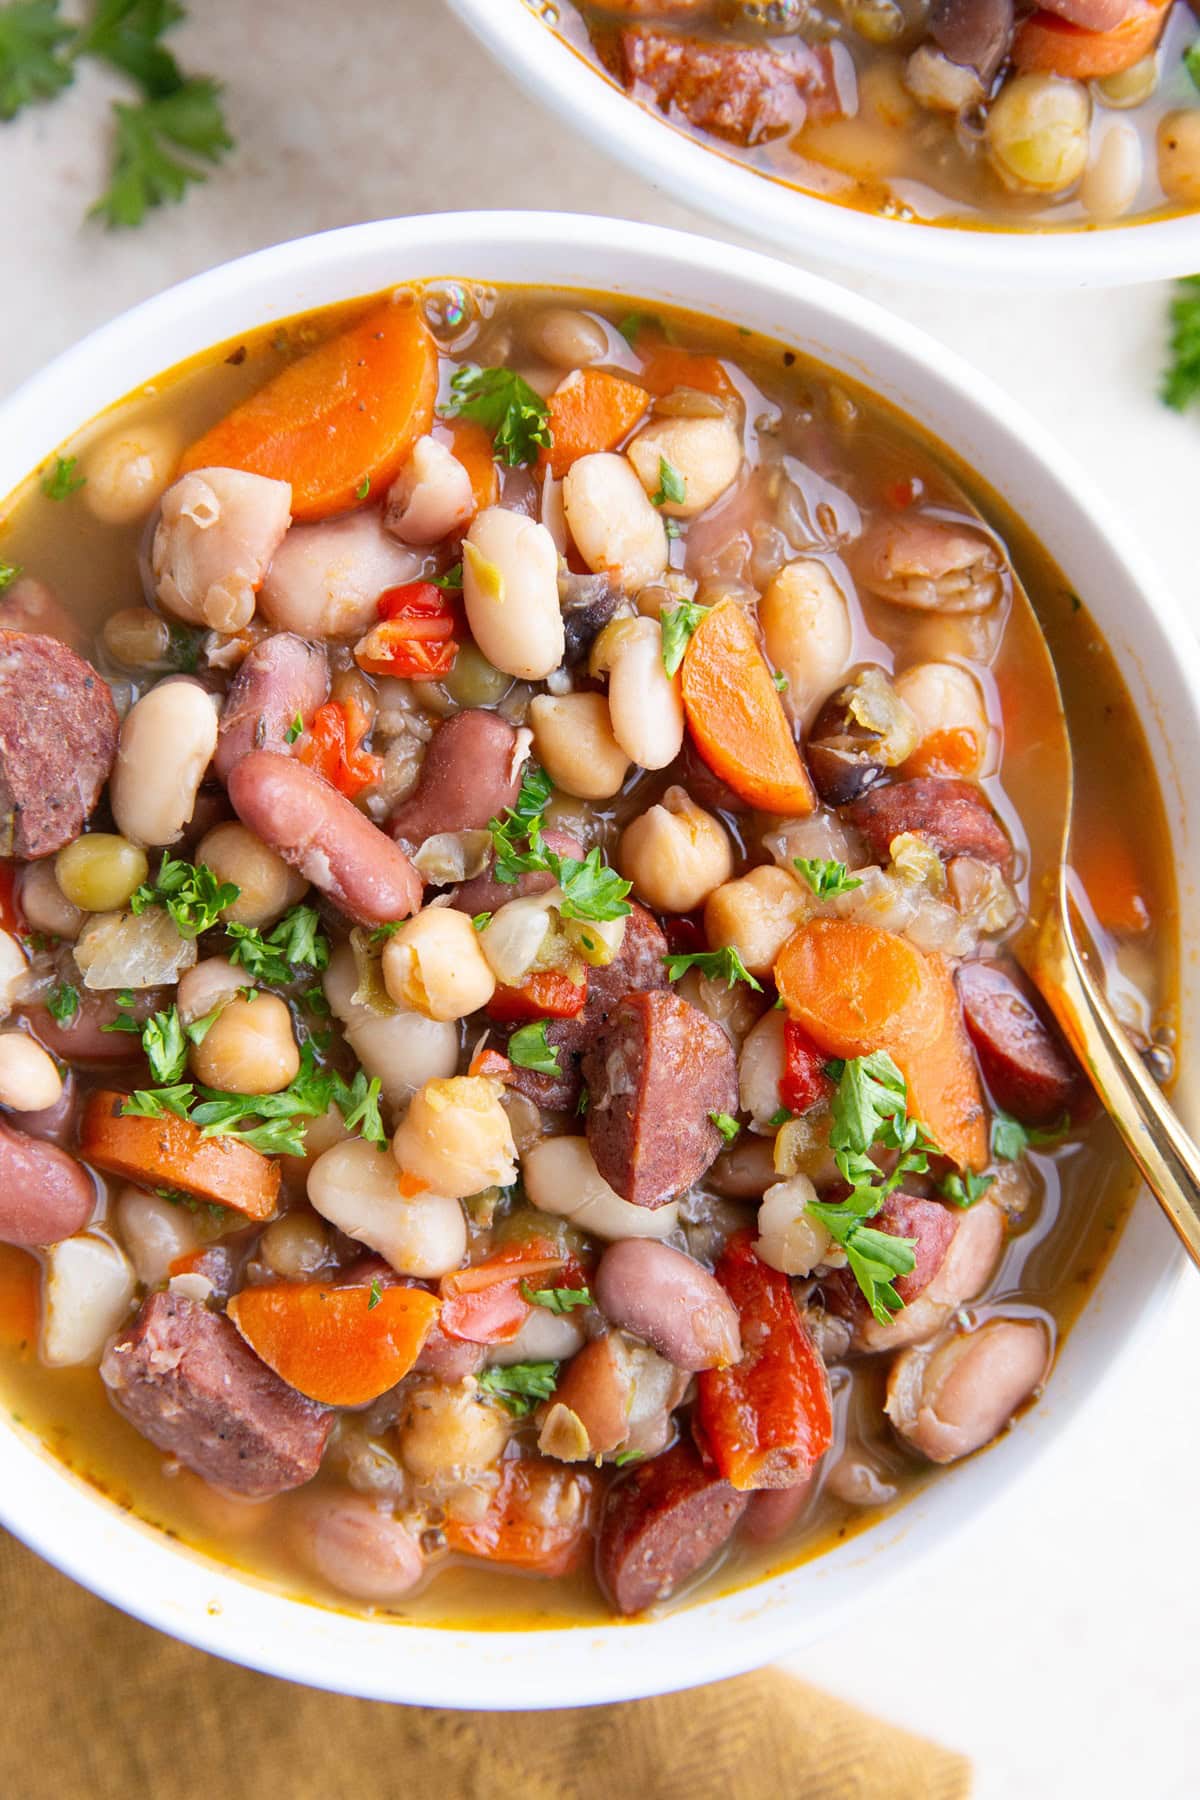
column 133, row 950
column 513, row 937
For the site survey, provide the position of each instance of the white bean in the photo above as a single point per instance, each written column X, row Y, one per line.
column 645, row 705
column 544, row 1337
column 155, row 1233
column 358, row 1190
column 614, row 525
column 87, row 1286
column 431, row 496
column 573, row 740
column 510, row 589
column 325, row 580
column 806, row 627
column 268, row 885
column 128, row 470
column 1113, row 177
column 456, row 1137
column 45, row 906
column 567, row 338
column 295, row 1246
column 789, row 1239
column 219, row 530
column 561, row 1177
column 675, row 853
column 29, row 1077
column 401, row 1047
column 761, row 1066
column 167, row 742
column 13, row 972
column 947, row 698
column 756, row 914
column 705, row 454
column 434, row 965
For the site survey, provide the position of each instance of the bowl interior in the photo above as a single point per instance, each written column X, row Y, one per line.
column 800, row 224
column 137, row 1569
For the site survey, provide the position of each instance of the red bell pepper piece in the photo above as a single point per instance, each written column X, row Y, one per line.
column 484, row 1303
column 545, row 994
column 333, row 746
column 767, row 1420
column 804, row 1082
column 415, row 636
column 491, row 1064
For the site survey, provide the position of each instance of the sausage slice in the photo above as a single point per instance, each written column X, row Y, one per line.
column 184, row 1378
column 1025, row 1060
column 58, row 740
column 655, row 1076
column 661, row 1524
column 952, row 815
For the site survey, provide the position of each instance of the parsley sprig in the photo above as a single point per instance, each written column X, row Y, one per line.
column 60, row 482
column 513, row 413
column 190, row 892
column 520, row 1386
column 1011, row 1139
column 558, row 1299
column 672, row 486
column 294, row 944
column 678, row 623
column 825, row 877
column 718, row 965
column 591, row 890
column 529, row 1049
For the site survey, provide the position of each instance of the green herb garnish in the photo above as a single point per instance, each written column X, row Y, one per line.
column 189, row 892
column 964, row 1190
column 557, row 1300
column 672, row 488
column 520, row 1386
column 717, row 965
column 826, row 878
column 1011, row 1139
column 517, row 417
column 376, row 1295
column 62, row 1002
column 294, row 730
column 61, row 481
column 1181, row 379
column 529, row 1049
column 591, row 890
column 8, row 574
column 296, row 942
column 727, row 1126
column 678, row 623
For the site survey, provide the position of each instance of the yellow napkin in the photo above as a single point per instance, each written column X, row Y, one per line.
column 98, row 1707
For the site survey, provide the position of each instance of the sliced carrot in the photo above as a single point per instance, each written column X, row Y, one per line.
column 172, row 1152
column 484, row 1304
column 667, row 367
column 342, row 1346
column 538, row 1519
column 590, row 411
column 736, row 717
column 954, row 751
column 855, row 988
column 472, row 445
column 345, row 415
column 1112, row 880
column 20, row 1283
column 1046, row 43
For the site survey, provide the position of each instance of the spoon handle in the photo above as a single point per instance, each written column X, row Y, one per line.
column 1153, row 1134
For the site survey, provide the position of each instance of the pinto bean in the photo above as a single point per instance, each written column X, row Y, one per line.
column 281, row 679
column 964, row 1268
column 661, row 1524
column 316, row 830
column 952, row 815
column 356, row 1547
column 45, row 1195
column 953, row 1399
column 977, row 33
column 471, row 772
column 596, row 1387
column 1024, row 1058
column 663, row 1296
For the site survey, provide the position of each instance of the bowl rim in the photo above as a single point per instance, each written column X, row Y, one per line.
column 800, row 224
column 232, row 1615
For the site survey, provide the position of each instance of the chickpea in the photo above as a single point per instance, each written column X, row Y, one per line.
column 434, row 964
column 45, row 906
column 705, row 455
column 561, row 1177
column 756, row 913
column 358, row 1191
column 249, row 1048
column 206, row 986
column 155, row 1233
column 789, row 1238
column 644, row 702
column 1113, row 177
column 761, row 1066
column 949, row 706
column 138, row 638
column 295, row 1246
column 402, row 1048
column 675, row 853
column 448, row 1435
column 573, row 740
column 167, row 743
column 567, row 338
column 13, row 970
column 1131, row 86
column 127, row 472
column 29, row 1077
column 1037, row 133
column 806, row 627
column 431, row 496
column 510, row 589
column 1179, row 156
column 614, row 525
column 456, row 1137
column 268, row 886
column 99, row 871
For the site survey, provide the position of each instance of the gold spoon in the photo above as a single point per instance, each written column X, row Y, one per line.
column 1040, row 778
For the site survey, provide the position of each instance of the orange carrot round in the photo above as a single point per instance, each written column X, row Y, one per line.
column 340, row 421
column 591, row 411
column 1046, row 43
column 666, row 367
column 342, row 1346
column 172, row 1152
column 736, row 717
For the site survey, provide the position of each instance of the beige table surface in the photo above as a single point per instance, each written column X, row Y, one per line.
column 1057, row 1644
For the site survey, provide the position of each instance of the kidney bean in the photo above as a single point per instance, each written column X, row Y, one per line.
column 959, row 1396
column 51, row 1124
column 1025, row 1060
column 661, row 1523
column 82, row 1038
column 316, row 830
column 663, row 1296
column 45, row 1195
column 280, row 680
column 952, row 815
column 469, row 775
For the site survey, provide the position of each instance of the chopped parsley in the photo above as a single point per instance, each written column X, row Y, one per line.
column 520, row 1386
column 363, row 488
column 964, row 1190
column 147, row 170
column 672, row 488
column 189, row 892
column 453, row 578
column 32, row 64
column 516, row 417
column 358, row 1103
column 1011, row 1139
column 376, row 1295
column 382, row 933
column 529, row 1049
column 557, row 1300
column 8, row 574
column 623, row 1457
column 296, row 942
column 826, row 878
column 727, row 1126
column 480, row 921
column 783, row 1116
column 634, row 323
column 1181, row 378
column 590, row 889
column 781, row 682
column 717, row 965
column 294, row 730
column 678, row 623
column 62, row 1002
column 61, row 481
column 1191, row 62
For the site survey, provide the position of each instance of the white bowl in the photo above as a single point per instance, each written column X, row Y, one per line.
column 803, row 225
column 131, row 1565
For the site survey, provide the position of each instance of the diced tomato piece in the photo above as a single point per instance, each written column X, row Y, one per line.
column 539, row 1519
column 333, row 746
column 490, row 1063
column 545, row 994
column 804, row 1083
column 414, row 639
column 767, row 1420
column 484, row 1303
